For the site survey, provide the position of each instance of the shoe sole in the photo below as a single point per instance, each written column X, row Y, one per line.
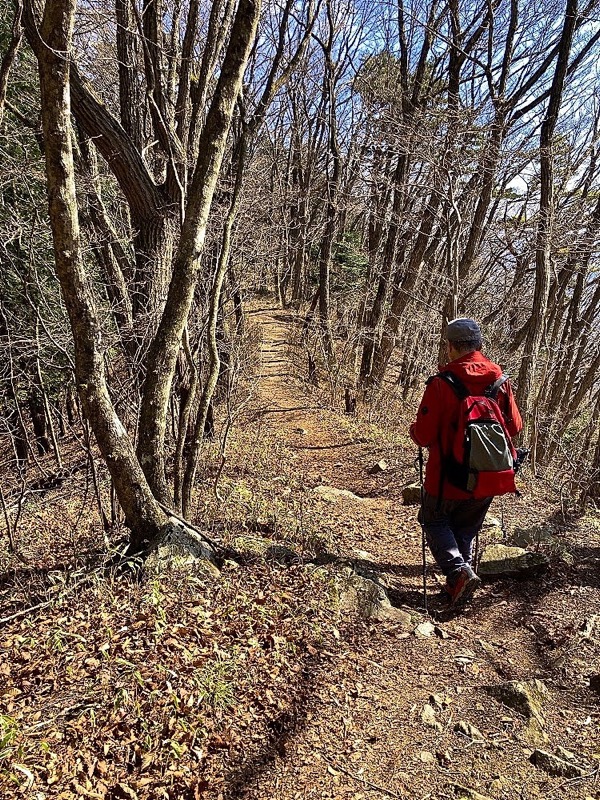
column 470, row 586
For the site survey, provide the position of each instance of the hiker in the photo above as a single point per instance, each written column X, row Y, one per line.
column 470, row 389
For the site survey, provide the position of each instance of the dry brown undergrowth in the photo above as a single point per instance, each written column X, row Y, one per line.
column 253, row 684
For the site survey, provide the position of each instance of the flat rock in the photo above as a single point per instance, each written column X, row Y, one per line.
column 538, row 535
column 500, row 559
column 332, row 495
column 380, row 466
column 469, row 730
column 525, row 697
column 411, row 494
column 556, row 766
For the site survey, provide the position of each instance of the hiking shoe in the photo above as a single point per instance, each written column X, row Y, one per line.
column 466, row 583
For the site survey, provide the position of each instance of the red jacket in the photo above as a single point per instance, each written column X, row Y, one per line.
column 439, row 408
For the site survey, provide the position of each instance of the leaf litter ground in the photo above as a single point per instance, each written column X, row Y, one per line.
column 256, row 683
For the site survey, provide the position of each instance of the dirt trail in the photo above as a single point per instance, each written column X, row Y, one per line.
column 363, row 734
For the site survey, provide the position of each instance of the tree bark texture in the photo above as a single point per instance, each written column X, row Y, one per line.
column 51, row 43
column 535, row 334
column 165, row 346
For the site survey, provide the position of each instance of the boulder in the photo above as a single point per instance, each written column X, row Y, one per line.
column 181, row 547
column 366, row 596
column 539, row 536
column 501, row 560
column 469, row 730
column 411, row 494
column 556, row 766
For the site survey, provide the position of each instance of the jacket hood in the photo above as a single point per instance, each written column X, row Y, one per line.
column 474, row 370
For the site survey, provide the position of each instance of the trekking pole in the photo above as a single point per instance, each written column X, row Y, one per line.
column 423, row 550
column 476, row 556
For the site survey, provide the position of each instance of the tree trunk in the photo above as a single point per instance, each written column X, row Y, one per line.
column 165, row 346
column 51, row 41
column 213, row 349
column 537, row 327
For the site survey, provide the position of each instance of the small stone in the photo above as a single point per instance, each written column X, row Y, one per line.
column 500, row 560
column 556, row 766
column 587, row 627
column 427, row 757
column 526, row 697
column 469, row 730
column 411, row 494
column 428, row 718
column 300, row 431
column 425, row 629
column 499, row 784
column 364, row 555
column 380, row 466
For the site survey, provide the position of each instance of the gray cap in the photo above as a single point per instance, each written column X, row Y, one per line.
column 463, row 330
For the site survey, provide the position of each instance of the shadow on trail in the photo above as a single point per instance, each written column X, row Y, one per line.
column 363, row 566
column 26, row 586
column 264, row 411
column 324, row 446
column 243, row 780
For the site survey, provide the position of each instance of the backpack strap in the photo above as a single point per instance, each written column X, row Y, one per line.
column 458, row 387
column 493, row 389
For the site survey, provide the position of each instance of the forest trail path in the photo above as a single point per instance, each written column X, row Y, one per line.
column 329, row 451
column 365, row 731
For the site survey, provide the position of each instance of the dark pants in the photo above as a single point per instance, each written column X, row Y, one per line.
column 450, row 527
